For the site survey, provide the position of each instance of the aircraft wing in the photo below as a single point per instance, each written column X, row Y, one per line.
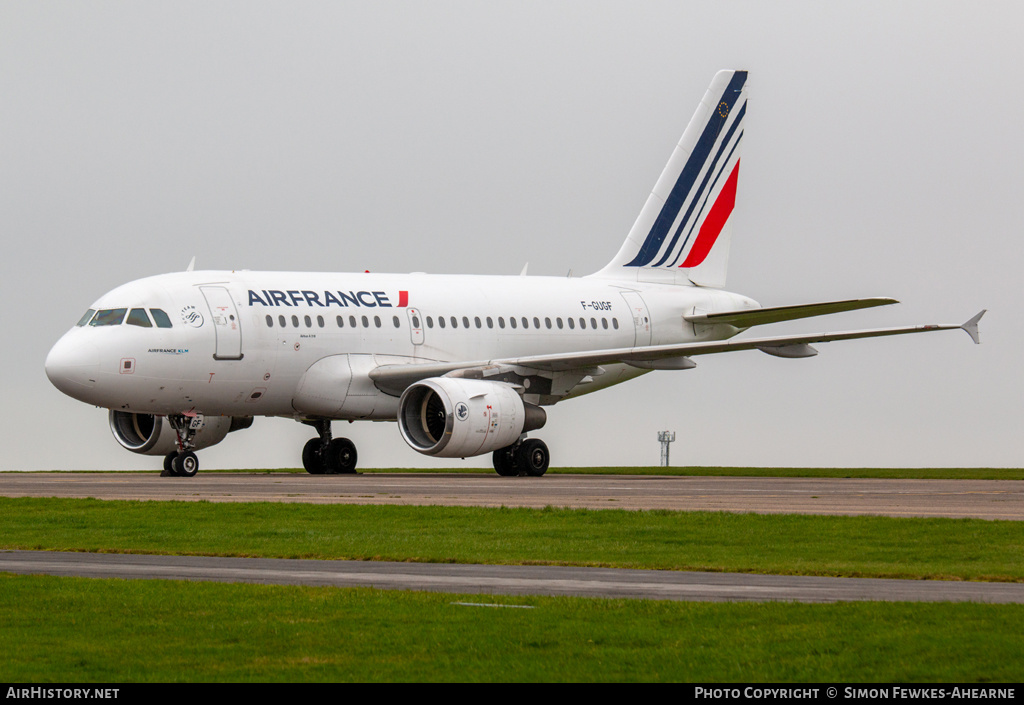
column 396, row 377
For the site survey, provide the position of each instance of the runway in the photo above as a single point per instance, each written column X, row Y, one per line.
column 983, row 499
column 508, row 580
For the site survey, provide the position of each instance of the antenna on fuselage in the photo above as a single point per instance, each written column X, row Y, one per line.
column 525, row 267
column 191, row 264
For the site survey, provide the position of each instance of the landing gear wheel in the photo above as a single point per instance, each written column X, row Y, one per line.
column 504, row 462
column 311, row 458
column 168, row 467
column 533, row 457
column 343, row 456
column 185, row 464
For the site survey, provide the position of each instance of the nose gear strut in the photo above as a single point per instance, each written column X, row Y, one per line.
column 183, row 462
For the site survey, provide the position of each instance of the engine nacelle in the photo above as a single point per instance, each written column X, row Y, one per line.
column 457, row 418
column 153, row 435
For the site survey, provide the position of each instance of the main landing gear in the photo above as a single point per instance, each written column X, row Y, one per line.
column 183, row 462
column 526, row 457
column 327, row 456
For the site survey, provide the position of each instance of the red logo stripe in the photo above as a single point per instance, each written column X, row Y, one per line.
column 712, row 226
column 403, row 299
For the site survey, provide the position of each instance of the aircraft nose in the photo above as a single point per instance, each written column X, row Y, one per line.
column 73, row 366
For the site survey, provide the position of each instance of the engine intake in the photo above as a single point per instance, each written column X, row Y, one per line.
column 152, row 435
column 458, row 418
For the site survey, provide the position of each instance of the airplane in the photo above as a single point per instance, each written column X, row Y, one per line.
column 466, row 365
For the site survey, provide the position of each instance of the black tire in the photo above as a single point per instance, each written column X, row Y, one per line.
column 311, row 459
column 533, row 457
column 169, row 465
column 504, row 462
column 185, row 464
column 343, row 456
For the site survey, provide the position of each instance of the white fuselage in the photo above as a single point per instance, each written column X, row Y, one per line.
column 239, row 343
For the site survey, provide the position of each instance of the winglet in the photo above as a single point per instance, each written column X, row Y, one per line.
column 191, row 264
column 972, row 327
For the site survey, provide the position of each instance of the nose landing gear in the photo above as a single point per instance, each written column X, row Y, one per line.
column 183, row 462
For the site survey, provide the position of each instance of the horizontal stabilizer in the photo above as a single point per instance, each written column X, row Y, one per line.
column 760, row 316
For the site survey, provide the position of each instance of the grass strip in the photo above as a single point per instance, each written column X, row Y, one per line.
column 114, row 631
column 923, row 548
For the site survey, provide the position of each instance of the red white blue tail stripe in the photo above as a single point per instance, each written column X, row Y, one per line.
column 688, row 212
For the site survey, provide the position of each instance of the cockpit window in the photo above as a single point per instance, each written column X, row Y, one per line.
column 138, row 317
column 161, row 318
column 109, row 317
column 85, row 319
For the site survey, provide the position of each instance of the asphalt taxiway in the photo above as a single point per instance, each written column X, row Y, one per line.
column 983, row 499
column 508, row 579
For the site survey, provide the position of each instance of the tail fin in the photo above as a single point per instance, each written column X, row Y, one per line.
column 682, row 234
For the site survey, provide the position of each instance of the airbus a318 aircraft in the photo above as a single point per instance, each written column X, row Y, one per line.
column 466, row 365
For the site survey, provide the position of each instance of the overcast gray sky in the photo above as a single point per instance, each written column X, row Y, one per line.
column 883, row 157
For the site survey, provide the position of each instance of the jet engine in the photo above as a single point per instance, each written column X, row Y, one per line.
column 153, row 435
column 452, row 417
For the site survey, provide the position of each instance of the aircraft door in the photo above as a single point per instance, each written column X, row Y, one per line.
column 416, row 326
column 225, row 323
column 640, row 316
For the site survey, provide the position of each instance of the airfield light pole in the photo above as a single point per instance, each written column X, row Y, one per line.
column 665, row 437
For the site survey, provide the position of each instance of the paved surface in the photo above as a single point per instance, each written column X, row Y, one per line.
column 985, row 499
column 508, row 580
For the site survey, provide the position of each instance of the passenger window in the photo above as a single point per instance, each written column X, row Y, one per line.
column 593, row 323
column 547, row 322
column 376, row 321
column 309, row 323
column 572, row 324
column 320, row 321
column 280, row 319
column 430, row 322
column 295, row 321
column 270, row 321
column 455, row 322
column 395, row 320
column 161, row 319
column 440, row 321
column 512, row 321
column 109, row 317
column 366, row 322
column 501, row 322
column 536, row 323
column 559, row 322
column 341, row 322
column 490, row 322
column 416, row 322
column 583, row 323
column 615, row 323
column 352, row 321
column 465, row 322
column 526, row 322
column 604, row 323
column 476, row 320
column 86, row 318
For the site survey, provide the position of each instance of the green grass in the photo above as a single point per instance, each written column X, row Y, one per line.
column 87, row 630
column 964, row 549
